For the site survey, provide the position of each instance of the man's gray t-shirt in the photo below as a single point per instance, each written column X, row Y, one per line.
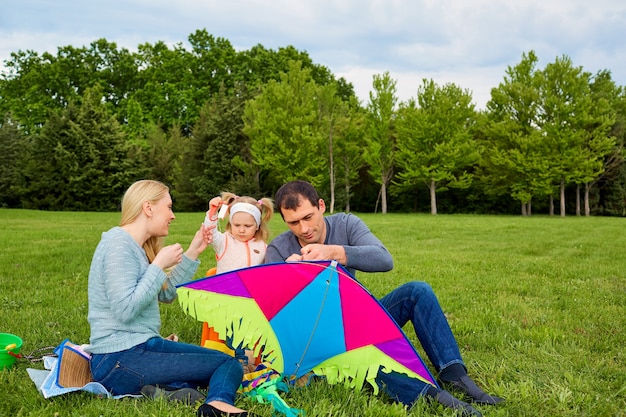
column 364, row 251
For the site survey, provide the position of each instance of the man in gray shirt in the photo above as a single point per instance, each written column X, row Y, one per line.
column 347, row 239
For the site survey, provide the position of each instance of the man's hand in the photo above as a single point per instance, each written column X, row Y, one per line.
column 294, row 258
column 318, row 252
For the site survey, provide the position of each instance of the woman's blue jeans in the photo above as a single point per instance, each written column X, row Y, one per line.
column 161, row 361
column 416, row 302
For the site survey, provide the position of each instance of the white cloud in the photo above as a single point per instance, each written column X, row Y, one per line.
column 467, row 42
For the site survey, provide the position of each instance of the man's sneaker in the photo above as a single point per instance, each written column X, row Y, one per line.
column 467, row 386
column 185, row 395
column 447, row 400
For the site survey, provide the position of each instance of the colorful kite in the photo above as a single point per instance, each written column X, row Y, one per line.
column 303, row 317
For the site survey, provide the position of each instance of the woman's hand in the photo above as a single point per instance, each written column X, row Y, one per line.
column 207, row 232
column 173, row 337
column 169, row 256
column 202, row 238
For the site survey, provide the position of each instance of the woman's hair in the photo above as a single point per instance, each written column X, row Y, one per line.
column 132, row 206
column 265, row 205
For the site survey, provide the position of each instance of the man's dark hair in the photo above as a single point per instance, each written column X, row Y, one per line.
column 289, row 195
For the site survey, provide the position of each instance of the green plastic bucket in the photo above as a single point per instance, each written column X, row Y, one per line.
column 8, row 359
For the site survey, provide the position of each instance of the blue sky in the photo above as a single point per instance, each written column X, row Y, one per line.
column 466, row 42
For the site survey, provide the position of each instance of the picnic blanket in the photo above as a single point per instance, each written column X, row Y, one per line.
column 46, row 381
column 67, row 370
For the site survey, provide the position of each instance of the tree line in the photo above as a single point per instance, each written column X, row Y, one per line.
column 78, row 127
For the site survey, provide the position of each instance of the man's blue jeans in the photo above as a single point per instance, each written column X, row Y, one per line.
column 161, row 361
column 416, row 302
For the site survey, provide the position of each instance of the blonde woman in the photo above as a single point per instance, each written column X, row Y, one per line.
column 131, row 271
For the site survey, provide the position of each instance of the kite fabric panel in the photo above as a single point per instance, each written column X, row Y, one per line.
column 303, row 317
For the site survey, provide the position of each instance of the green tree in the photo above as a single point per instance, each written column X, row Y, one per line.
column 348, row 151
column 611, row 187
column 27, row 90
column 331, row 111
column 434, row 140
column 282, row 124
column 162, row 153
column 258, row 65
column 380, row 150
column 166, row 87
column 32, row 85
column 566, row 115
column 513, row 160
column 12, row 151
column 605, row 129
column 212, row 63
column 217, row 156
column 79, row 160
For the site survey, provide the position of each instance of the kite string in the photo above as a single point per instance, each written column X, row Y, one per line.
column 317, row 320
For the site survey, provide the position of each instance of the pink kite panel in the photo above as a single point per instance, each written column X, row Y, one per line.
column 275, row 285
column 364, row 321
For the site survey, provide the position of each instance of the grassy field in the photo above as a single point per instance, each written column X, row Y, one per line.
column 537, row 305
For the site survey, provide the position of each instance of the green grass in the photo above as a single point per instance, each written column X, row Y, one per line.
column 537, row 305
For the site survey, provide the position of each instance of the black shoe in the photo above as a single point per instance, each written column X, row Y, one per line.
column 185, row 395
column 445, row 398
column 207, row 410
column 465, row 385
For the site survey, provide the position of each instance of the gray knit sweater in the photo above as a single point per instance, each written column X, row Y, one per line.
column 365, row 252
column 124, row 292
